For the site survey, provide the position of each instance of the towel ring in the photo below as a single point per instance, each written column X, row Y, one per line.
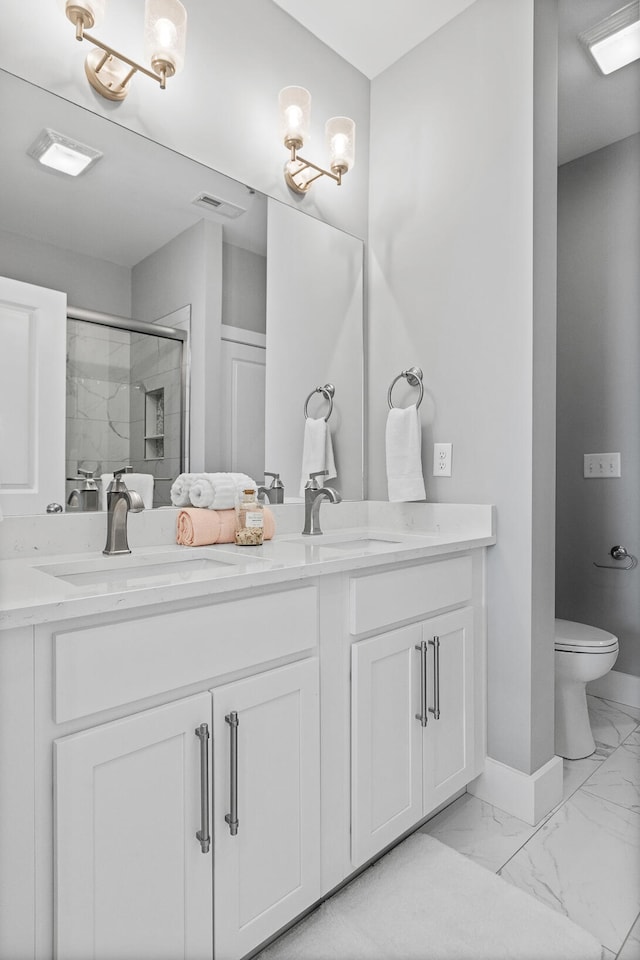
column 413, row 376
column 327, row 392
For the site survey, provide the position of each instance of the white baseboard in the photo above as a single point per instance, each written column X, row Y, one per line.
column 617, row 686
column 528, row 797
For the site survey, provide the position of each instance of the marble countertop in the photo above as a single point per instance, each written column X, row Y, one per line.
column 42, row 582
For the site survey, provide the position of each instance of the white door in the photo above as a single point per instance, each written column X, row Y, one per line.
column 131, row 878
column 243, row 386
column 449, row 740
column 386, row 740
column 269, row 870
column 33, row 323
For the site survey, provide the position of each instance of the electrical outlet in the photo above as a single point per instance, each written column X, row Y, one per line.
column 442, row 459
column 602, row 465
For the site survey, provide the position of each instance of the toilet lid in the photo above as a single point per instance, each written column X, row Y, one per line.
column 580, row 638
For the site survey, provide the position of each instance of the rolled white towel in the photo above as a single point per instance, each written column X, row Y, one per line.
column 219, row 491
column 201, row 492
column 180, row 489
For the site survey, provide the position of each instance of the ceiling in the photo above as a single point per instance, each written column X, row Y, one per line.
column 593, row 110
column 371, row 34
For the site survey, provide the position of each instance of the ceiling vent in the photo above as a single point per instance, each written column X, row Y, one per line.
column 215, row 205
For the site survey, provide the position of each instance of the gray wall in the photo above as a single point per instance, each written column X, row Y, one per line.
column 89, row 283
column 188, row 271
column 244, row 288
column 599, row 389
column 453, row 241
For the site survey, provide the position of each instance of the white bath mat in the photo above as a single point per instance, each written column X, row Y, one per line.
column 424, row 901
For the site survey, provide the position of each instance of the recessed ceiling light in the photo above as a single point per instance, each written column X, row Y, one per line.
column 614, row 42
column 62, row 153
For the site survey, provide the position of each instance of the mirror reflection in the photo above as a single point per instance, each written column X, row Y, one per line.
column 125, row 392
column 148, row 234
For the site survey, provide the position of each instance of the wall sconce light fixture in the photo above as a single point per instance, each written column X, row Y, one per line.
column 109, row 72
column 615, row 41
column 295, row 112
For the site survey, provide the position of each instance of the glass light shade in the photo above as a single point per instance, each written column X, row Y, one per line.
column 165, row 34
column 90, row 12
column 295, row 115
column 341, row 142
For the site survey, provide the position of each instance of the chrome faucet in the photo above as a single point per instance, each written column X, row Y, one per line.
column 313, row 497
column 120, row 500
column 85, row 496
column 274, row 493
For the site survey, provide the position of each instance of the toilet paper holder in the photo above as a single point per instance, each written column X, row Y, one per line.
column 620, row 553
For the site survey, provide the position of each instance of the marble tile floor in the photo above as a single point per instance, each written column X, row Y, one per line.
column 583, row 859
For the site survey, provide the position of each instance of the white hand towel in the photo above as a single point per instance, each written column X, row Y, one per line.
column 219, row 491
column 404, row 464
column 317, row 451
column 142, row 483
column 180, row 489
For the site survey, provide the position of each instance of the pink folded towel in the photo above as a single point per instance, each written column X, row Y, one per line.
column 200, row 526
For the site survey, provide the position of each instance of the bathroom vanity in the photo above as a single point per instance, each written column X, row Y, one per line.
column 198, row 744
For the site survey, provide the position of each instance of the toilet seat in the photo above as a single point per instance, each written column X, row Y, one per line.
column 573, row 637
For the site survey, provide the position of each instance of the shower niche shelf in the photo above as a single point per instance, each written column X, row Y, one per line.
column 154, row 424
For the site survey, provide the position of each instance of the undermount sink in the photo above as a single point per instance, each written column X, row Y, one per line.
column 352, row 545
column 131, row 571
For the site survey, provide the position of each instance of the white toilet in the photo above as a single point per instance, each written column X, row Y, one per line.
column 583, row 653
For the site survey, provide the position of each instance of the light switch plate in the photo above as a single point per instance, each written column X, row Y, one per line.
column 602, row 465
column 442, row 459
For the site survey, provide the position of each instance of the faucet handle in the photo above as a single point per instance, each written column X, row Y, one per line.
column 276, row 482
column 118, row 473
column 312, row 483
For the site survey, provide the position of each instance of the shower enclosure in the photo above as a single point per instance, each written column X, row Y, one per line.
column 127, row 399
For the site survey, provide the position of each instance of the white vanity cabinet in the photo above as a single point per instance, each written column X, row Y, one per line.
column 417, row 704
column 136, row 797
column 130, row 878
column 344, row 702
column 138, row 846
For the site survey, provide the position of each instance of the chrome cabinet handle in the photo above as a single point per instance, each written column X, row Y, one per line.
column 232, row 817
column 202, row 732
column 423, row 716
column 435, row 643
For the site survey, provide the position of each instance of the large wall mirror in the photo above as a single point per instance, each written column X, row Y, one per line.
column 267, row 301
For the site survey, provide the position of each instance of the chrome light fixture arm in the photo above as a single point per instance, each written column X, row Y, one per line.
column 161, row 78
column 108, row 70
column 301, row 186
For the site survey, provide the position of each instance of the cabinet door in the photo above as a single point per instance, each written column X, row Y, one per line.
column 269, row 871
column 386, row 740
column 131, row 878
column 449, row 751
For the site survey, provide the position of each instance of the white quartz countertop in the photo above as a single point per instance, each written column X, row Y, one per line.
column 42, row 582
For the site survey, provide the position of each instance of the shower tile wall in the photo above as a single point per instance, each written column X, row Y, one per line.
column 98, row 397
column 109, row 372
